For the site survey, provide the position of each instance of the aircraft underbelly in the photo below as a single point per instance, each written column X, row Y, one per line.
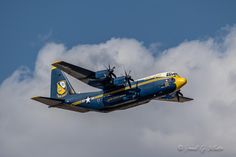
column 130, row 98
column 127, row 98
column 124, row 105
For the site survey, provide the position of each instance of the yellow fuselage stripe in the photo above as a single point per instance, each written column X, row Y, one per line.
column 122, row 89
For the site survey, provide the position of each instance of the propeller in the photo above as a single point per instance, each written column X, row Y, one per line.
column 111, row 71
column 128, row 78
column 178, row 94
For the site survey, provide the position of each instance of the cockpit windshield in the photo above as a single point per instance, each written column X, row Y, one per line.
column 171, row 74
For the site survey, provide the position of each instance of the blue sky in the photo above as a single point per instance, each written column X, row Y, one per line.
column 27, row 26
column 154, row 129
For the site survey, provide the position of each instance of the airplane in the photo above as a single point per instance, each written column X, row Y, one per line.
column 116, row 93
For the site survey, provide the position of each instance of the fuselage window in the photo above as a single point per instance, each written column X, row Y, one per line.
column 167, row 83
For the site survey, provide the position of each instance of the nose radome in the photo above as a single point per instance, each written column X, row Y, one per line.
column 180, row 82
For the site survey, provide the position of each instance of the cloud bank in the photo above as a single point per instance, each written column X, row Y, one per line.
column 28, row 128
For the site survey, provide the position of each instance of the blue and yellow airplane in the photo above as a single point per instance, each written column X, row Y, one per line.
column 117, row 93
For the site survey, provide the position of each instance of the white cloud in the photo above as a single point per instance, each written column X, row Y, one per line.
column 29, row 128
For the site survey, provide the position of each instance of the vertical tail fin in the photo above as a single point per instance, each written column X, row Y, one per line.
column 60, row 85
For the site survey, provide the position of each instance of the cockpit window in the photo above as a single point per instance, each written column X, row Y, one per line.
column 171, row 74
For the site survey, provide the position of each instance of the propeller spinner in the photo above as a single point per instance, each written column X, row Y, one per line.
column 111, row 71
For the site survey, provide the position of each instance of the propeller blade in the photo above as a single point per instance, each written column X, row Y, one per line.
column 110, row 71
column 129, row 84
column 128, row 78
column 114, row 75
column 126, row 74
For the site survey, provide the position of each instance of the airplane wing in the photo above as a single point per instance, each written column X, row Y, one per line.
column 173, row 98
column 85, row 75
column 78, row 72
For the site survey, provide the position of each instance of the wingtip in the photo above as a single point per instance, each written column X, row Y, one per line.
column 53, row 67
column 56, row 62
column 35, row 97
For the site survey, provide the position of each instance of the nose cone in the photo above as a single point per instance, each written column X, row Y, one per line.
column 180, row 82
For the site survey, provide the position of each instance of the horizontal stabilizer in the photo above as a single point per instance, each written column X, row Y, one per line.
column 51, row 102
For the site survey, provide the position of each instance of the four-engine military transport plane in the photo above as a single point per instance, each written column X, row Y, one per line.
column 117, row 93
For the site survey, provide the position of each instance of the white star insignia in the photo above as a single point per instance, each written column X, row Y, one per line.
column 87, row 100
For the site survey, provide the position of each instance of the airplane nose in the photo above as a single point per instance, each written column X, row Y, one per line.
column 180, row 82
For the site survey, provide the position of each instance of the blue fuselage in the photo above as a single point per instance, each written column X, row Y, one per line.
column 141, row 91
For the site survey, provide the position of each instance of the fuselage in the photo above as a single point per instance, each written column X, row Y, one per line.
column 141, row 91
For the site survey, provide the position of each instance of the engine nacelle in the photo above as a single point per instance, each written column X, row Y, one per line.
column 101, row 74
column 119, row 81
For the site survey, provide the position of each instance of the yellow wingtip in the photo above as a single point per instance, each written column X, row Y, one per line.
column 56, row 62
column 53, row 67
column 35, row 97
